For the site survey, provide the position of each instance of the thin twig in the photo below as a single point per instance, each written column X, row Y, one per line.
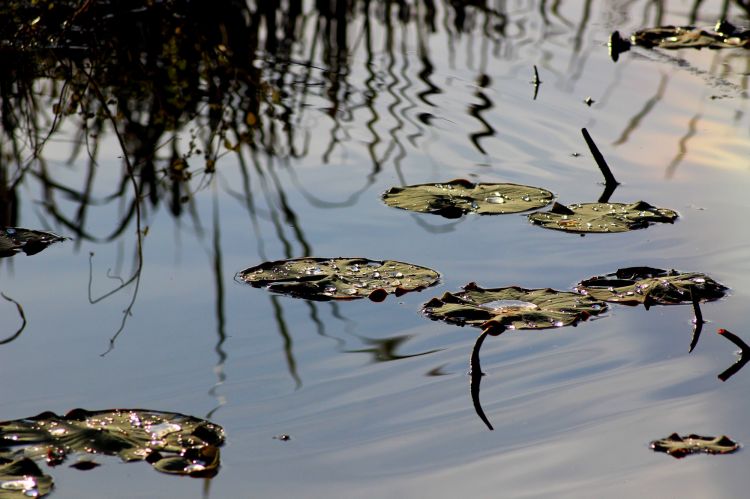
column 536, row 82
column 23, row 318
column 609, row 178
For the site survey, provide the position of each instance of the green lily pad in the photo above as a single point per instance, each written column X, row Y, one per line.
column 458, row 197
column 680, row 446
column 602, row 217
column 170, row 442
column 724, row 35
column 650, row 286
column 21, row 478
column 14, row 240
column 498, row 309
column 339, row 278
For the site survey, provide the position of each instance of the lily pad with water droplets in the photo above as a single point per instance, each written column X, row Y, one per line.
column 602, row 217
column 498, row 309
column 339, row 278
column 458, row 197
column 680, row 446
column 170, row 442
column 21, row 478
column 14, row 240
column 651, row 286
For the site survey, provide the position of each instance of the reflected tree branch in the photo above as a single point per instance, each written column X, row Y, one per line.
column 19, row 308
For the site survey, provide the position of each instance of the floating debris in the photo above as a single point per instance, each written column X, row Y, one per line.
column 14, row 240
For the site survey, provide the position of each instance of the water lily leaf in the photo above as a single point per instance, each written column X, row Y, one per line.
column 22, row 478
column 651, row 286
column 602, row 217
column 459, row 197
column 498, row 309
column 14, row 240
column 190, row 444
column 680, row 446
column 724, row 35
column 339, row 278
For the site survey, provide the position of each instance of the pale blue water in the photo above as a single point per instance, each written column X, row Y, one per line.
column 573, row 409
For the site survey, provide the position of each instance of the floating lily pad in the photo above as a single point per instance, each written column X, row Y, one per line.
column 14, row 240
column 21, row 478
column 459, row 197
column 498, row 309
column 677, row 446
column 650, row 286
column 339, row 278
column 170, row 442
column 723, row 35
column 602, row 217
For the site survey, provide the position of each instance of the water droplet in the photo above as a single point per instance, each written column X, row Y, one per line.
column 159, row 431
column 354, row 268
column 699, row 280
column 398, row 275
column 526, row 198
column 10, row 232
column 329, row 290
column 376, row 275
column 565, row 217
column 558, row 324
column 350, row 291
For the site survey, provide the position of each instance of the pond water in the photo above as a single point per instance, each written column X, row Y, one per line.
column 374, row 396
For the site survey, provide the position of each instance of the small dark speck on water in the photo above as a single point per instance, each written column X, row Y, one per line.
column 283, row 437
column 588, row 101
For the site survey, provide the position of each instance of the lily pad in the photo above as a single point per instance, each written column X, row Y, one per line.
column 14, row 240
column 602, row 217
column 498, row 309
column 680, row 446
column 651, row 286
column 723, row 35
column 458, row 197
column 22, row 478
column 170, row 442
column 339, row 278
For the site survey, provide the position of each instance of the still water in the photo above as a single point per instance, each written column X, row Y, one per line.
column 374, row 396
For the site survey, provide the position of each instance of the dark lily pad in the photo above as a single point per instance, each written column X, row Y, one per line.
column 680, row 446
column 458, row 197
column 650, row 286
column 22, row 478
column 14, row 240
column 602, row 217
column 498, row 309
column 339, row 278
column 170, row 442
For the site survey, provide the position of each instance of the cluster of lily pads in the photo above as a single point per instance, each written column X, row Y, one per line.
column 496, row 310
